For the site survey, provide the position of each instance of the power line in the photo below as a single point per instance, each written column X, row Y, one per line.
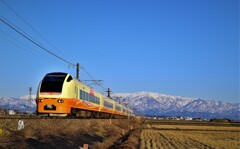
column 93, row 80
column 32, row 40
column 96, row 82
column 25, row 35
column 29, row 25
column 45, row 49
column 18, row 44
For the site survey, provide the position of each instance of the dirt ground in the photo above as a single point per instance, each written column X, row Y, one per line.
column 116, row 134
column 70, row 133
column 189, row 134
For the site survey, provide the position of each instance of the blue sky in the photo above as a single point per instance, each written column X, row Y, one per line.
column 187, row 48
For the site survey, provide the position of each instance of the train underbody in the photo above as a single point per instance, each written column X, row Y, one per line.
column 80, row 113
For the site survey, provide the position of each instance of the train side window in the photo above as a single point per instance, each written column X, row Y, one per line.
column 84, row 97
column 117, row 108
column 87, row 97
column 97, row 100
column 69, row 78
column 81, row 94
column 91, row 97
column 108, row 104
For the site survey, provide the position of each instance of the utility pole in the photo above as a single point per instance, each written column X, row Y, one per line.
column 108, row 91
column 30, row 98
column 77, row 71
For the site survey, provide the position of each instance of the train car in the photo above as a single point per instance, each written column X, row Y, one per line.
column 59, row 94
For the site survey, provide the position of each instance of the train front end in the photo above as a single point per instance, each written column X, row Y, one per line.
column 55, row 97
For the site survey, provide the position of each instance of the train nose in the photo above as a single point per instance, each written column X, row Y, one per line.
column 60, row 101
column 39, row 100
column 49, row 107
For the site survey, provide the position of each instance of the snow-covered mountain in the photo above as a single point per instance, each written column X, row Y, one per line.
column 21, row 104
column 147, row 103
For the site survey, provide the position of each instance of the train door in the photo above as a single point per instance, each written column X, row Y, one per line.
column 76, row 92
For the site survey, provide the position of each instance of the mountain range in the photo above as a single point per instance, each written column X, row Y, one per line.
column 148, row 103
column 21, row 104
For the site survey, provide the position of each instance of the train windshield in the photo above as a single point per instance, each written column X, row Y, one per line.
column 53, row 82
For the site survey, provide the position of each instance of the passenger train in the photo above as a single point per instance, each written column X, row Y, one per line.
column 59, row 94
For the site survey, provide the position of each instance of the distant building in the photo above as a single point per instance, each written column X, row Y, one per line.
column 11, row 112
column 189, row 118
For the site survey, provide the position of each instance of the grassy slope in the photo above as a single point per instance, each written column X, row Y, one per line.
column 65, row 133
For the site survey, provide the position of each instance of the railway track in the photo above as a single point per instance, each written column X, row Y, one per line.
column 19, row 117
column 44, row 117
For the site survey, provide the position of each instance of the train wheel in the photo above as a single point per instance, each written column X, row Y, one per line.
column 73, row 112
column 95, row 114
column 78, row 113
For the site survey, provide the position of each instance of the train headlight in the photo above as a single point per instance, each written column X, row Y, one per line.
column 60, row 101
column 39, row 100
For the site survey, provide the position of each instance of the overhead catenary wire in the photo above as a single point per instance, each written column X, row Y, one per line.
column 18, row 15
column 25, row 35
column 32, row 40
column 95, row 81
column 18, row 44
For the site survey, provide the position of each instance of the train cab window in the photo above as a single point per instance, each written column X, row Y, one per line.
column 69, row 78
column 53, row 82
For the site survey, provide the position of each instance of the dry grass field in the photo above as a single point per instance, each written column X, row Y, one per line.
column 181, row 135
column 66, row 133
column 114, row 134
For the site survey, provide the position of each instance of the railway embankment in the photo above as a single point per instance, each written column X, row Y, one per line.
column 69, row 133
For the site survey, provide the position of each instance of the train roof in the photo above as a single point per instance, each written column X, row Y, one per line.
column 57, row 73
